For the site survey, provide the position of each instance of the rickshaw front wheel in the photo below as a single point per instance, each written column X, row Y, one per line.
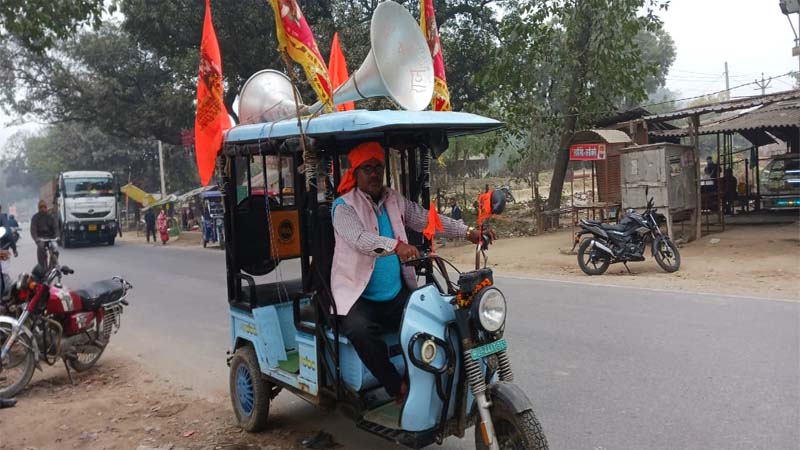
column 249, row 390
column 513, row 430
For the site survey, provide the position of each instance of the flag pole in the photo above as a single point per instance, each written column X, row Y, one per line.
column 309, row 160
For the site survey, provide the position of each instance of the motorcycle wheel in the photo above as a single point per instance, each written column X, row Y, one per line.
column 588, row 261
column 86, row 357
column 15, row 375
column 250, row 392
column 666, row 254
column 517, row 431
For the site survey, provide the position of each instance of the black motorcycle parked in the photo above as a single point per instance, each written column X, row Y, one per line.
column 626, row 241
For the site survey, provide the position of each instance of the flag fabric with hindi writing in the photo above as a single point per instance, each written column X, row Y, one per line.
column 434, row 223
column 337, row 68
column 295, row 37
column 211, row 119
column 427, row 21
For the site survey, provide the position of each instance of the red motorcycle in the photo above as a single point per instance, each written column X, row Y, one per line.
column 49, row 322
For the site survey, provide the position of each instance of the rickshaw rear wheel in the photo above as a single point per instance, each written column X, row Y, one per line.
column 250, row 392
column 513, row 430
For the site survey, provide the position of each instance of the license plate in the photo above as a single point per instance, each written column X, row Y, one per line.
column 488, row 349
column 92, row 227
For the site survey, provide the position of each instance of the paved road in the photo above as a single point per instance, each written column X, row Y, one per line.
column 607, row 368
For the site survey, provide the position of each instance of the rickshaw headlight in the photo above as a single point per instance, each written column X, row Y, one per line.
column 491, row 310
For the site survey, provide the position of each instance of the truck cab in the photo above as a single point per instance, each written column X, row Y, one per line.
column 86, row 202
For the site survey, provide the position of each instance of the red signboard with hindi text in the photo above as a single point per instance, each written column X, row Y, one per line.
column 587, row 152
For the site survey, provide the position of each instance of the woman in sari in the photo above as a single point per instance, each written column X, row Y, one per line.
column 161, row 224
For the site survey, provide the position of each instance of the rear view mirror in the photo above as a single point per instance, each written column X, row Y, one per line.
column 498, row 201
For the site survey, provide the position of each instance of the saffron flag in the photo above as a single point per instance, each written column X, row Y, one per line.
column 484, row 206
column 427, row 21
column 297, row 40
column 211, row 119
column 434, row 223
column 337, row 67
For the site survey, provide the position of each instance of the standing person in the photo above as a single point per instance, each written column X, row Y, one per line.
column 43, row 226
column 369, row 285
column 455, row 214
column 150, row 225
column 729, row 190
column 161, row 223
column 712, row 169
column 3, row 218
column 185, row 219
column 12, row 223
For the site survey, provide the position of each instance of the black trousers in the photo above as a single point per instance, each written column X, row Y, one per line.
column 365, row 324
column 151, row 231
column 41, row 255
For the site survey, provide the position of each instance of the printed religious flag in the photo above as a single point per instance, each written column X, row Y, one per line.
column 296, row 39
column 434, row 223
column 211, row 119
column 337, row 67
column 427, row 21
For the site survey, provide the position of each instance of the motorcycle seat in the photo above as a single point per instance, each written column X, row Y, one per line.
column 604, row 225
column 99, row 293
column 613, row 227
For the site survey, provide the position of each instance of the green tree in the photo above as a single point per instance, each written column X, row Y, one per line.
column 571, row 62
column 33, row 158
column 38, row 24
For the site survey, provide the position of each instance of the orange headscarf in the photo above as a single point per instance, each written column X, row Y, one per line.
column 358, row 156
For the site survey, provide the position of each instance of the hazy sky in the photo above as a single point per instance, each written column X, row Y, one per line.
column 753, row 36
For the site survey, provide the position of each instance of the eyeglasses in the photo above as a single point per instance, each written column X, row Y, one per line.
column 369, row 170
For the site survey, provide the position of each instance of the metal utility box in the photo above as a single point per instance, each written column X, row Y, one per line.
column 665, row 171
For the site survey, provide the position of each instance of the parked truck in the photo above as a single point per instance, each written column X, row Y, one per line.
column 85, row 206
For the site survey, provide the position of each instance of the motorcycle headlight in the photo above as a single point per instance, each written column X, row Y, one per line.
column 491, row 312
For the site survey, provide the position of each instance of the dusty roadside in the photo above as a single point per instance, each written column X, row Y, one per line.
column 759, row 261
column 120, row 405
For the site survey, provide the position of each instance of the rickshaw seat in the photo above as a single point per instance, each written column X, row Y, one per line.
column 276, row 292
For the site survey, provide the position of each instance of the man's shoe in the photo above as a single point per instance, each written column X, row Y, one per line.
column 7, row 402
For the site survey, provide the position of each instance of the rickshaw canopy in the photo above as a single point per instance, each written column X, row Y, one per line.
column 363, row 124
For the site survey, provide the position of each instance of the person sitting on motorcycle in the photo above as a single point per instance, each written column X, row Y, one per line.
column 43, row 226
column 369, row 286
column 11, row 222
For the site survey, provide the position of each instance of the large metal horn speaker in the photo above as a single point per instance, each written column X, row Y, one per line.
column 399, row 65
column 267, row 96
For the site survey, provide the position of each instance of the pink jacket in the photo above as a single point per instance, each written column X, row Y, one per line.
column 352, row 269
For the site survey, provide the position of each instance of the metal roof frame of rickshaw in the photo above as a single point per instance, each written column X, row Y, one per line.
column 356, row 126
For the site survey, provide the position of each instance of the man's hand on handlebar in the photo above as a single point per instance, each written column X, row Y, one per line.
column 475, row 235
column 405, row 251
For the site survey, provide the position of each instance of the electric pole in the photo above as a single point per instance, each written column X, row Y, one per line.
column 763, row 84
column 727, row 83
column 161, row 170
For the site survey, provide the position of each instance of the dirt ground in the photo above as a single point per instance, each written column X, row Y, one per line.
column 759, row 261
column 119, row 405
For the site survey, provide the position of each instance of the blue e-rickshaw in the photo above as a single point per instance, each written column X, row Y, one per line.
column 285, row 334
column 213, row 218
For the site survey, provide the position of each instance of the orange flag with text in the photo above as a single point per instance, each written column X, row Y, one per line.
column 427, row 21
column 211, row 119
column 337, row 68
